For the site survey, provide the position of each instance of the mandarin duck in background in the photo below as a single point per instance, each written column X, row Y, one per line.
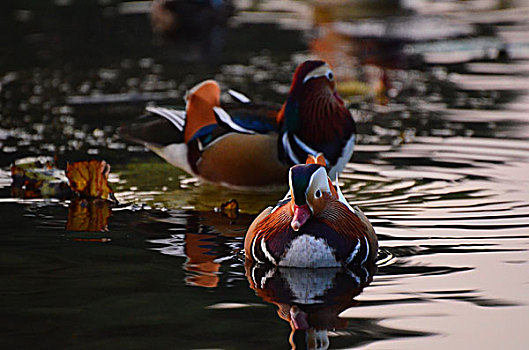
column 247, row 145
column 313, row 226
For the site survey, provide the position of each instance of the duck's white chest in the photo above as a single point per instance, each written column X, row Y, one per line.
column 309, row 251
column 175, row 154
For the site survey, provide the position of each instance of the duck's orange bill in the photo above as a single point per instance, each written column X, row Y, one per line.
column 301, row 215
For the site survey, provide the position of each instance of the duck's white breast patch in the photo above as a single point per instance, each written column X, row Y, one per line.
column 175, row 154
column 309, row 251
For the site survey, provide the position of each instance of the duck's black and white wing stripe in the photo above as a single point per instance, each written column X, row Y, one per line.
column 224, row 118
column 175, row 116
column 239, row 96
column 360, row 253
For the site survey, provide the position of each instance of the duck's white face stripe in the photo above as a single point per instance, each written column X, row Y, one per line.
column 267, row 253
column 321, row 71
column 318, row 180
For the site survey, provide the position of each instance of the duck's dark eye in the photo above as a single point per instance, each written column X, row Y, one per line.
column 317, row 194
column 330, row 76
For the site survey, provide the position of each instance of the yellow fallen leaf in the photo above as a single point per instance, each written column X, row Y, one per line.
column 90, row 179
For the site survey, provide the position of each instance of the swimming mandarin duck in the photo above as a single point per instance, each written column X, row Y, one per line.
column 248, row 145
column 313, row 226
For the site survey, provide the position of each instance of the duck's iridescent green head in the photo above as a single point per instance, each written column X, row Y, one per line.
column 308, row 183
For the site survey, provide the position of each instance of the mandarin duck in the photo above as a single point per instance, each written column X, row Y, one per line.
column 313, row 226
column 249, row 145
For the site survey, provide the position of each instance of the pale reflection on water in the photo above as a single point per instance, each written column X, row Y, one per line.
column 440, row 92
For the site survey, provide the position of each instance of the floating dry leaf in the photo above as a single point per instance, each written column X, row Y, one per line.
column 90, row 179
column 40, row 178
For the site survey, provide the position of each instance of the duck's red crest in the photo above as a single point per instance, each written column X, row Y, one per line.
column 301, row 72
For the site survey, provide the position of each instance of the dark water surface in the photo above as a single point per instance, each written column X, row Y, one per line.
column 440, row 93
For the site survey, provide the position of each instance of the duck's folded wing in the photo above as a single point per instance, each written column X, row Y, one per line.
column 161, row 126
column 247, row 118
column 177, row 117
column 202, row 119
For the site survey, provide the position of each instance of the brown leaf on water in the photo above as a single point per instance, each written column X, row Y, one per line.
column 90, row 179
column 88, row 215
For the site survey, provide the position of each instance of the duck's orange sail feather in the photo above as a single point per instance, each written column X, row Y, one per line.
column 199, row 109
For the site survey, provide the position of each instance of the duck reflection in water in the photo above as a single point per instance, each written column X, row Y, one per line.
column 202, row 247
column 200, row 237
column 310, row 300
column 88, row 215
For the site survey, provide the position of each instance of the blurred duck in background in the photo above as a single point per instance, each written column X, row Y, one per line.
column 173, row 18
column 369, row 40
